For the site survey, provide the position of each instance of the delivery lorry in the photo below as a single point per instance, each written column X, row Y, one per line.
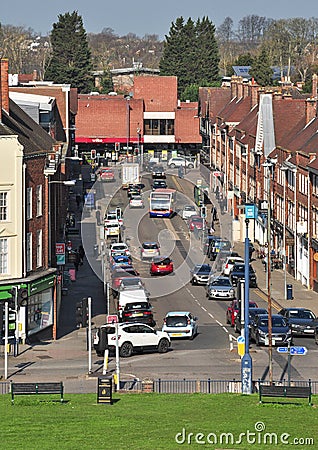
column 130, row 174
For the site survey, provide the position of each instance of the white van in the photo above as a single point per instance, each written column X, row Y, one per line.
column 135, row 295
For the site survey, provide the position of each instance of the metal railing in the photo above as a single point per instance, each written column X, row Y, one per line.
column 185, row 386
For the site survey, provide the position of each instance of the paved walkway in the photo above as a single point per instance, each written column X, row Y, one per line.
column 302, row 297
column 67, row 358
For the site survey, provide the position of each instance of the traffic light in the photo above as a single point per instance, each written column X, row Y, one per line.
column 93, row 154
column 22, row 297
column 117, row 146
column 12, row 321
column 82, row 313
column 203, row 211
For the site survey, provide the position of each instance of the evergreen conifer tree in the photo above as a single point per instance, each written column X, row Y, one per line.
column 71, row 59
column 261, row 70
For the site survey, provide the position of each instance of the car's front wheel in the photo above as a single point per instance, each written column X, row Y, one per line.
column 190, row 166
column 126, row 350
column 163, row 346
column 172, row 166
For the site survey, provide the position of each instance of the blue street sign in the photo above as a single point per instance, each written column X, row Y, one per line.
column 241, row 339
column 282, row 349
column 298, row 350
column 251, row 211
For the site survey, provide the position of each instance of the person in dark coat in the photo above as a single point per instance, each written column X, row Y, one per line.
column 81, row 253
column 77, row 260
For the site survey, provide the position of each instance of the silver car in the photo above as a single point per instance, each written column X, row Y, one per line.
column 220, row 287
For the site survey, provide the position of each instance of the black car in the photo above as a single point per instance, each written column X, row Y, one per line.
column 159, row 184
column 140, row 312
column 252, row 313
column 281, row 332
column 133, row 189
column 238, row 273
column 302, row 320
column 200, row 273
column 158, row 172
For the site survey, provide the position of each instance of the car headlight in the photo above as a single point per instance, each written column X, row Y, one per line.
column 231, row 291
column 261, row 333
column 296, row 325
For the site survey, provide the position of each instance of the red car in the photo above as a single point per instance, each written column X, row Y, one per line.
column 233, row 309
column 196, row 222
column 161, row 266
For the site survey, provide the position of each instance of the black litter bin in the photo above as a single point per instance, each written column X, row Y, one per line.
column 105, row 390
column 289, row 289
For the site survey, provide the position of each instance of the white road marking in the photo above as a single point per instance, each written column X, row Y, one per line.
column 202, row 307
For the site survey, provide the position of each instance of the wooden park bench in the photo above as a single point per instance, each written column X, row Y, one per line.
column 37, row 388
column 266, row 390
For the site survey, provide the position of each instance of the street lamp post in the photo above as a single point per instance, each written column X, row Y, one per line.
column 246, row 362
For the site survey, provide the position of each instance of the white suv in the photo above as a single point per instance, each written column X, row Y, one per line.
column 133, row 337
column 180, row 162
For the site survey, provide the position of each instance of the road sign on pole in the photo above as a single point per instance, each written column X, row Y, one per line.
column 282, row 349
column 298, row 350
column 241, row 345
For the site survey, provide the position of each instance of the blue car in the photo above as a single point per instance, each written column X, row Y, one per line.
column 120, row 260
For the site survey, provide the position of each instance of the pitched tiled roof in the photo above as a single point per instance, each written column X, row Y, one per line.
column 159, row 93
column 31, row 135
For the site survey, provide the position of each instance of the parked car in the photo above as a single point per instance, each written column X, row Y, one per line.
column 138, row 312
column 149, row 250
column 158, row 172
column 196, row 223
column 200, row 274
column 220, row 287
column 188, row 211
column 180, row 162
column 281, row 331
column 252, row 312
column 136, row 337
column 238, row 273
column 159, row 184
column 229, row 263
column 234, row 308
column 136, row 201
column 161, row 266
column 119, row 248
column 302, row 320
column 222, row 256
column 180, row 324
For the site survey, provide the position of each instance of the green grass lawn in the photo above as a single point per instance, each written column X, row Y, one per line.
column 153, row 421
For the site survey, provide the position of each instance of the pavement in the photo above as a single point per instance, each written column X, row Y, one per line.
column 66, row 358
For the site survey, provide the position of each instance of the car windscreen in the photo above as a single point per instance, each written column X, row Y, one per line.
column 134, row 306
column 149, row 246
column 177, row 321
column 221, row 282
column 162, row 262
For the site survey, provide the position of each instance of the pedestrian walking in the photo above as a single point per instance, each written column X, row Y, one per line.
column 98, row 217
column 214, row 214
column 81, row 253
column 77, row 260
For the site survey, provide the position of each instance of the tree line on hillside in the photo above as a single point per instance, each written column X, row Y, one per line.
column 195, row 51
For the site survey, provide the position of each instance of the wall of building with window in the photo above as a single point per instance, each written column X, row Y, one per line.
column 11, row 201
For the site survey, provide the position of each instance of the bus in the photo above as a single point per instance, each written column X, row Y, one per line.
column 161, row 201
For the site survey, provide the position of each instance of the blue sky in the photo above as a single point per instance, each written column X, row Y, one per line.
column 145, row 16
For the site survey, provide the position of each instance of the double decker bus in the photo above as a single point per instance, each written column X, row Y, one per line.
column 161, row 201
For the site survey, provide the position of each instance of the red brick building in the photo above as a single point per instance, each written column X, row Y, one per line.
column 267, row 156
column 151, row 119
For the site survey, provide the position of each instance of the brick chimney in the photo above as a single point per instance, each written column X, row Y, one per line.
column 4, row 86
column 311, row 109
column 254, row 94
